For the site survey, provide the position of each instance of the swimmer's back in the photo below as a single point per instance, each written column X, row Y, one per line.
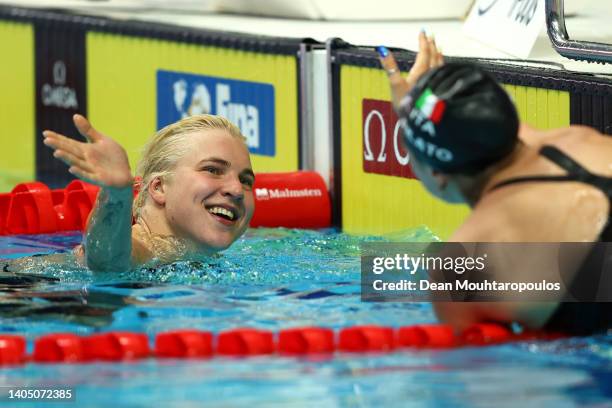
column 549, row 211
column 515, row 209
column 584, row 144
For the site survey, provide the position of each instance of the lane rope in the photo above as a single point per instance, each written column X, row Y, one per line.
column 245, row 342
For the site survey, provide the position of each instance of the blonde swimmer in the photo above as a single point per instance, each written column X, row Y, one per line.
column 195, row 197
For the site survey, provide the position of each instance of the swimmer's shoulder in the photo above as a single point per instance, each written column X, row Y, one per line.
column 560, row 136
column 141, row 248
column 572, row 139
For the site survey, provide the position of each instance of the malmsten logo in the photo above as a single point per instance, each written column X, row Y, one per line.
column 268, row 193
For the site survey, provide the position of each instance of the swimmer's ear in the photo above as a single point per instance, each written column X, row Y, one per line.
column 157, row 191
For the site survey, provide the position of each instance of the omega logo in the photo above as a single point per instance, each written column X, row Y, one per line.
column 59, row 95
column 59, row 73
column 382, row 155
column 383, row 150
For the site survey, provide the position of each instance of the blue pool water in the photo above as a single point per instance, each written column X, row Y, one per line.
column 272, row 279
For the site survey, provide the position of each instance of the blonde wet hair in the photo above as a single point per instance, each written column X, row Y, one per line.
column 161, row 154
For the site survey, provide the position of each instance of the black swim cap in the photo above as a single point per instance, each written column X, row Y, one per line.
column 458, row 119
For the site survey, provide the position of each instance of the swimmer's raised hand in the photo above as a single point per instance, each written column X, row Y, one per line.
column 428, row 57
column 100, row 160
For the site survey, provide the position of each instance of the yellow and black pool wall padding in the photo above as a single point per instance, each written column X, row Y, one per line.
column 592, row 106
column 61, row 90
column 590, row 97
column 112, row 69
column 335, row 187
column 377, row 192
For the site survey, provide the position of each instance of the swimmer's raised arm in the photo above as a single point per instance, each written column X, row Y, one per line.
column 103, row 162
column 428, row 57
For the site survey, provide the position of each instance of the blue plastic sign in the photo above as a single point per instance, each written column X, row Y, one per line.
column 250, row 105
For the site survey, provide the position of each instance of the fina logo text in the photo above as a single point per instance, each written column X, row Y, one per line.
column 272, row 193
column 246, row 117
column 59, row 95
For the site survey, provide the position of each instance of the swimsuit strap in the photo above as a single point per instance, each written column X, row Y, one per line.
column 575, row 172
column 526, row 179
column 143, row 224
column 167, row 248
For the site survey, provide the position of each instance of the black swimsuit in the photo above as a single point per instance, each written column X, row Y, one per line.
column 581, row 318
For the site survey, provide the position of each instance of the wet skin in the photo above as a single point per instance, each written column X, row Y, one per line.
column 208, row 200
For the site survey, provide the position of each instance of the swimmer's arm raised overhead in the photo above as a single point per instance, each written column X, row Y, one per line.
column 101, row 161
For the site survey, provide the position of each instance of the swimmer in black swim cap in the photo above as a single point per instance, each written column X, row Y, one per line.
column 466, row 146
column 458, row 119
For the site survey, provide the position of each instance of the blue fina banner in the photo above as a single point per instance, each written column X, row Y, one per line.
column 250, row 105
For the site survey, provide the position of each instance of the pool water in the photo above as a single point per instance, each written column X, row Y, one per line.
column 271, row 279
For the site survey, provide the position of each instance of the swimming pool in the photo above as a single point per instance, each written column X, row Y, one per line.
column 273, row 279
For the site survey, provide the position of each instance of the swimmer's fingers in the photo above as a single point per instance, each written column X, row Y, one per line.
column 399, row 86
column 422, row 63
column 439, row 59
column 102, row 161
column 56, row 141
column 84, row 127
column 436, row 59
column 72, row 160
column 83, row 174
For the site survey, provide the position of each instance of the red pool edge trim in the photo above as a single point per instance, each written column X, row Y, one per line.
column 245, row 342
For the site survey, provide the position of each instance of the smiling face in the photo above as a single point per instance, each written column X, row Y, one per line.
column 208, row 198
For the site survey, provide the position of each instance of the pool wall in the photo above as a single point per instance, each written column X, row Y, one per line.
column 17, row 112
column 377, row 191
column 133, row 77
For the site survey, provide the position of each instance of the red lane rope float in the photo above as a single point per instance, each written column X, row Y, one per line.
column 5, row 202
column 292, row 200
column 486, row 333
column 30, row 210
column 33, row 208
column 243, row 342
column 59, row 348
column 116, row 346
column 306, row 340
column 427, row 335
column 78, row 200
column 12, row 349
column 184, row 344
column 366, row 338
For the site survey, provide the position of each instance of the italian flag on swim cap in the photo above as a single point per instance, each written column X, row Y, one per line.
column 431, row 106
